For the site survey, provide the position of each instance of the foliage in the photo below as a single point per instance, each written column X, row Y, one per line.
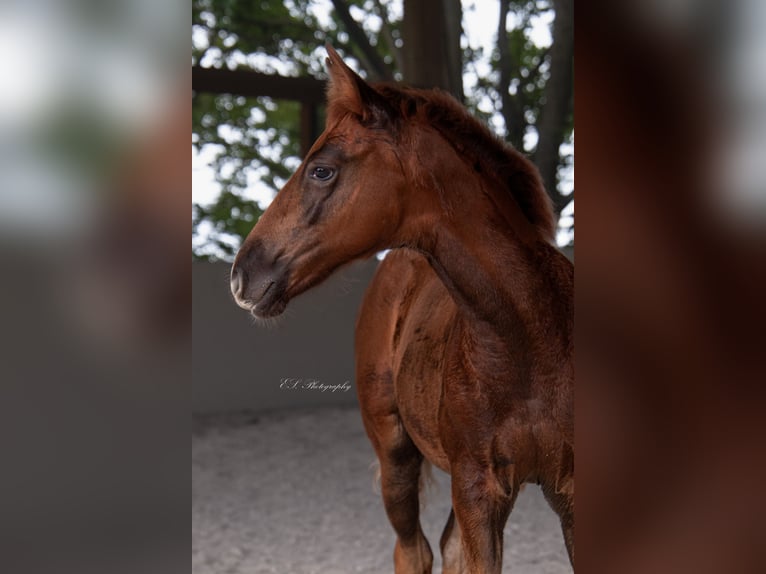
column 251, row 136
column 255, row 140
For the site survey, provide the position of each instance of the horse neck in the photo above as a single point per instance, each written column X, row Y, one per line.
column 501, row 271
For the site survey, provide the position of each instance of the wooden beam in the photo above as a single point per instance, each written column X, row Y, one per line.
column 247, row 83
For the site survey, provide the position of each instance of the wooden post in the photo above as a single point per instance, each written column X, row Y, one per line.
column 308, row 126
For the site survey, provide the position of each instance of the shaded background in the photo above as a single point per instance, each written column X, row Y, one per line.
column 241, row 365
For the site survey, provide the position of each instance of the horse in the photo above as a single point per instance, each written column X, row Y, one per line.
column 464, row 347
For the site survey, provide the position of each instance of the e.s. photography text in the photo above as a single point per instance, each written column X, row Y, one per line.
column 295, row 384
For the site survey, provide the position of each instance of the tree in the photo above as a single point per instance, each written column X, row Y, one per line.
column 255, row 140
column 556, row 116
column 431, row 30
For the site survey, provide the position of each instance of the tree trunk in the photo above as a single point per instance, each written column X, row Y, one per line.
column 431, row 31
column 558, row 101
column 512, row 108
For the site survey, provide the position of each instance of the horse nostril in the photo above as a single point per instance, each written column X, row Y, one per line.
column 237, row 282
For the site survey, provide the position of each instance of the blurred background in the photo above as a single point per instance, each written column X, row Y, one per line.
column 671, row 103
column 94, row 297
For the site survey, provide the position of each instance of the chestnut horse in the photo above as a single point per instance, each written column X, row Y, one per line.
column 464, row 342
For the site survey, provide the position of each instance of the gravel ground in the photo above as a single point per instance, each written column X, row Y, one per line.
column 292, row 493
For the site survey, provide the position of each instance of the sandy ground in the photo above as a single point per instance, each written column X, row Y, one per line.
column 292, row 493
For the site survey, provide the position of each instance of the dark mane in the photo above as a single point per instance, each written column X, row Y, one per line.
column 473, row 140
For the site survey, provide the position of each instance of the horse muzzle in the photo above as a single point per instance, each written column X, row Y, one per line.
column 259, row 286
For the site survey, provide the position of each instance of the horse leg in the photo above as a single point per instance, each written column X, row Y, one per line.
column 481, row 509
column 563, row 504
column 452, row 547
column 400, row 468
column 567, row 526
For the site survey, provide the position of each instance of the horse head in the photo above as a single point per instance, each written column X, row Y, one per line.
column 343, row 203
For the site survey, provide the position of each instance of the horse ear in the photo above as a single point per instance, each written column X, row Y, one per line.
column 347, row 92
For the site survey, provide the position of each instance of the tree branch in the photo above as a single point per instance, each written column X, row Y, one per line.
column 388, row 35
column 370, row 57
column 513, row 113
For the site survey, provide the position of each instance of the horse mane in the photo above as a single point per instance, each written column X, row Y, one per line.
column 479, row 146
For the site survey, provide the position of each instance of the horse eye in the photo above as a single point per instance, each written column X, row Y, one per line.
column 322, row 173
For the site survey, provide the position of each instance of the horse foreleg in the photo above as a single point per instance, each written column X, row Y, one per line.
column 400, row 467
column 563, row 504
column 452, row 547
column 481, row 509
column 567, row 526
